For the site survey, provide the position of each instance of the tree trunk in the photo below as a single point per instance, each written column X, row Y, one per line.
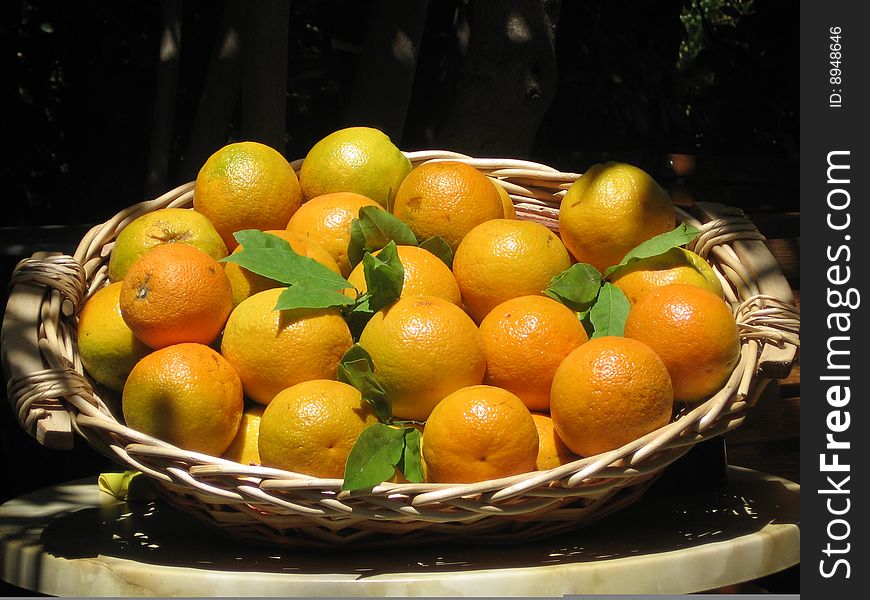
column 385, row 75
column 508, row 80
column 264, row 78
column 164, row 100
column 220, row 93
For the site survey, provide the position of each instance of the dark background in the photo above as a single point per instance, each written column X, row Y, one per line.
column 703, row 94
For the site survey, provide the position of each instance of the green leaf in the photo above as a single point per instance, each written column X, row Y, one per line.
column 356, row 368
column 305, row 295
column 577, row 287
column 385, row 277
column 609, row 312
column 412, row 464
column 356, row 248
column 254, row 238
column 380, row 227
column 440, row 248
column 681, row 235
column 269, row 259
column 374, row 229
column 374, row 456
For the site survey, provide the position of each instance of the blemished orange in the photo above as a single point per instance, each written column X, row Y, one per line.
column 609, row 210
column 163, row 226
column 552, row 451
column 187, row 395
column 275, row 349
column 479, row 433
column 311, row 427
column 176, row 293
column 326, row 221
column 447, row 199
column 354, row 159
column 503, row 259
column 509, row 211
column 425, row 275
column 245, row 283
column 246, row 185
column 423, row 348
column 107, row 347
column 608, row 392
column 525, row 340
column 677, row 265
column 694, row 333
column 244, row 449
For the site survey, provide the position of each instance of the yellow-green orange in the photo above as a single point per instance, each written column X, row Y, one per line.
column 425, row 275
column 311, row 427
column 246, row 185
column 355, row 159
column 677, row 265
column 478, row 433
column 244, row 449
column 107, row 346
column 423, row 348
column 694, row 333
column 609, row 392
column 273, row 350
column 525, row 340
column 187, row 395
column 326, row 221
column 163, row 226
column 609, row 210
column 503, row 259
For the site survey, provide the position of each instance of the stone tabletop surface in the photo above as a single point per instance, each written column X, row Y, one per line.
column 72, row 540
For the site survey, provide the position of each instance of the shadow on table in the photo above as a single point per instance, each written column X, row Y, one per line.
column 159, row 534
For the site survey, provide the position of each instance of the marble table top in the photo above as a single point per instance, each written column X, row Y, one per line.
column 73, row 540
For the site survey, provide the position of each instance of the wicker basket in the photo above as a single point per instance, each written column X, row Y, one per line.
column 53, row 397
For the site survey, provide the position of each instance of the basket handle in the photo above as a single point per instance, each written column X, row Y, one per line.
column 35, row 386
column 776, row 360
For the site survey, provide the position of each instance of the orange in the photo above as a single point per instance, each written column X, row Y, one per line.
column 246, row 185
column 525, row 340
column 244, row 449
column 245, row 283
column 176, row 293
column 507, row 205
column 107, row 346
column 552, row 451
column 677, row 265
column 609, row 210
column 425, row 275
column 423, row 348
column 503, row 259
column 479, row 433
column 187, row 395
column 163, row 226
column 355, row 159
column 609, row 392
column 447, row 199
column 311, row 427
column 694, row 333
column 326, row 221
column 275, row 349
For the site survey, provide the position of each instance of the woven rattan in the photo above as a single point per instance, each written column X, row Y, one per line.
column 47, row 383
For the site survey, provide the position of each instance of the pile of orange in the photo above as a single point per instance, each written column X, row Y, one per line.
column 500, row 378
